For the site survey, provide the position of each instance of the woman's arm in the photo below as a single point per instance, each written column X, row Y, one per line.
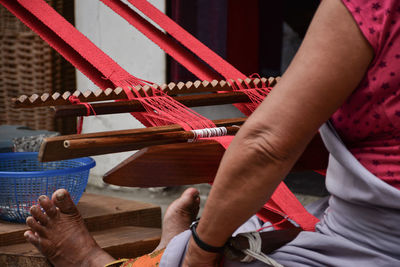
column 329, row 65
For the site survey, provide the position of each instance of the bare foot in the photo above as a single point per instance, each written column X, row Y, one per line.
column 179, row 215
column 60, row 233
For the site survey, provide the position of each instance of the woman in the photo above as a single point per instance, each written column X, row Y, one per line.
column 348, row 63
column 351, row 51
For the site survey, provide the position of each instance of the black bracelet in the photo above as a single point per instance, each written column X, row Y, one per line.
column 200, row 243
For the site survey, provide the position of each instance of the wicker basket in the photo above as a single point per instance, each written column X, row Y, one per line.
column 28, row 65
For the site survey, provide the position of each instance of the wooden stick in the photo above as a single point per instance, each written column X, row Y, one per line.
column 53, row 148
column 136, row 106
column 137, row 141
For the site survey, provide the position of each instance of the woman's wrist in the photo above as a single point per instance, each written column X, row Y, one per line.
column 212, row 233
column 201, row 244
column 195, row 256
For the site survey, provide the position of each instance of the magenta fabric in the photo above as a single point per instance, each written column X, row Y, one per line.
column 369, row 121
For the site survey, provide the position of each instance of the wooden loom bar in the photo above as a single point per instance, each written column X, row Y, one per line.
column 53, row 148
column 180, row 88
column 136, row 105
column 137, row 141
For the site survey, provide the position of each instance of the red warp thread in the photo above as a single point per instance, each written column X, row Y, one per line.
column 75, row 101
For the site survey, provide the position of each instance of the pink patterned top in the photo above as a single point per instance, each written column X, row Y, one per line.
column 369, row 121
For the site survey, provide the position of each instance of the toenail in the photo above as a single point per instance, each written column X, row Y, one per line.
column 60, row 196
column 42, row 198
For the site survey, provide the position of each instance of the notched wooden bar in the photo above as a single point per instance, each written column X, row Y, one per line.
column 118, row 93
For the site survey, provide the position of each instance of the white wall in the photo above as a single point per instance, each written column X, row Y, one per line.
column 132, row 50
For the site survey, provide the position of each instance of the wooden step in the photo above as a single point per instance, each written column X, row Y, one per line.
column 124, row 228
column 121, row 242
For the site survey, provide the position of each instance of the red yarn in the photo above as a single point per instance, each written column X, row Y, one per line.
column 75, row 101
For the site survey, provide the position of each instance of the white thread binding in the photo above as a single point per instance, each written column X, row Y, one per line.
column 207, row 132
column 254, row 250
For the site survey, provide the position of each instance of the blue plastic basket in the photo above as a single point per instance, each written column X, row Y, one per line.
column 23, row 179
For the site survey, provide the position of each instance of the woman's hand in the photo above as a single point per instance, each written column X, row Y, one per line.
column 195, row 256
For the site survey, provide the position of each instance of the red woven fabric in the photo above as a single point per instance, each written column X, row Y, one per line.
column 166, row 43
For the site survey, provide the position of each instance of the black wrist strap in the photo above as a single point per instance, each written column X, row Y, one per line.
column 200, row 243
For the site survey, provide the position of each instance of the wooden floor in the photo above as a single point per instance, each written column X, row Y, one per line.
column 124, row 228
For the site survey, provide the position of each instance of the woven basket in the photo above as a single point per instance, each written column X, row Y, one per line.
column 28, row 65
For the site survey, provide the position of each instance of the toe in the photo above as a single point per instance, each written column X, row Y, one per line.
column 190, row 202
column 31, row 238
column 35, row 226
column 191, row 198
column 63, row 201
column 48, row 206
column 191, row 194
column 39, row 215
column 187, row 206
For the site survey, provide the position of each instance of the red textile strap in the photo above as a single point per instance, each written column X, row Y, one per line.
column 183, row 37
column 69, row 42
column 284, row 201
column 73, row 45
column 187, row 40
column 165, row 42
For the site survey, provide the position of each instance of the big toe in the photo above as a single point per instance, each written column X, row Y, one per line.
column 189, row 202
column 190, row 197
column 63, row 201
